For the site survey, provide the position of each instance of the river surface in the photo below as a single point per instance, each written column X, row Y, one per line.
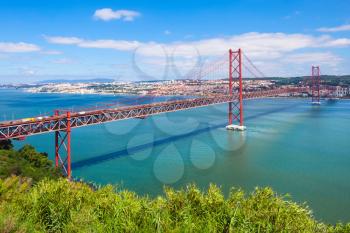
column 289, row 145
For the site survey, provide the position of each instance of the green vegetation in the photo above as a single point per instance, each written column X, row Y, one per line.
column 336, row 80
column 25, row 162
column 58, row 205
column 330, row 80
column 63, row 206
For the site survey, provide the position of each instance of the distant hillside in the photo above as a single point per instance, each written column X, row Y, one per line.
column 96, row 80
column 324, row 77
column 332, row 80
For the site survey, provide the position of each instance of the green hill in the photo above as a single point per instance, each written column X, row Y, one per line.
column 34, row 200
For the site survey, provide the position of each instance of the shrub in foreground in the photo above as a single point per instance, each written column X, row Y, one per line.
column 63, row 206
column 25, row 162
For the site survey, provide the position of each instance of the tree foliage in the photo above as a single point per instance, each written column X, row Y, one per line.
column 6, row 145
column 26, row 162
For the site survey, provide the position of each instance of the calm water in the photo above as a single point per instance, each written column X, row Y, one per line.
column 290, row 145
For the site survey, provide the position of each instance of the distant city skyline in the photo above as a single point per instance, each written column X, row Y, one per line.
column 108, row 39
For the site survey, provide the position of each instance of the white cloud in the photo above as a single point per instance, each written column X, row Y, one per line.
column 267, row 45
column 21, row 47
column 122, row 45
column 298, row 64
column 107, row 14
column 258, row 45
column 274, row 50
column 52, row 52
column 63, row 40
column 326, row 58
column 343, row 42
column 341, row 28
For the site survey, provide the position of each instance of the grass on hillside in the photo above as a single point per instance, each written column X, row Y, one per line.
column 33, row 198
column 63, row 206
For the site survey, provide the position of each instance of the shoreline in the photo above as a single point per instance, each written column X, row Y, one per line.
column 133, row 94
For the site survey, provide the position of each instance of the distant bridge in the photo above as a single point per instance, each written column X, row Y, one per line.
column 62, row 123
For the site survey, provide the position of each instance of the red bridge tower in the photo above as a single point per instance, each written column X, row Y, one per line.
column 235, row 108
column 63, row 146
column 315, row 85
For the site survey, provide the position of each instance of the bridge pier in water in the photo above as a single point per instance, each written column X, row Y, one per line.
column 235, row 108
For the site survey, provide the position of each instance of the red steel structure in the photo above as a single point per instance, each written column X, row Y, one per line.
column 63, row 123
column 235, row 107
column 62, row 145
column 315, row 84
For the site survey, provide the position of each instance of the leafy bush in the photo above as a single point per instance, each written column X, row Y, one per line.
column 63, row 206
column 6, row 145
column 34, row 199
column 26, row 162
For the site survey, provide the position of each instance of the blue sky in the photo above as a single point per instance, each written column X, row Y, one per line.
column 44, row 39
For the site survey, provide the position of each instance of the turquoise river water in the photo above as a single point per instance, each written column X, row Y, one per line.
column 289, row 145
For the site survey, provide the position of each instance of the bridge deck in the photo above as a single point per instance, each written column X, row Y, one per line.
column 32, row 126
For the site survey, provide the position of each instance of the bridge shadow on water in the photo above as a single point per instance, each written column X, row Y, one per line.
column 125, row 152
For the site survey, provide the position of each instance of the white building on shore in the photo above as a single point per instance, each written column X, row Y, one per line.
column 342, row 91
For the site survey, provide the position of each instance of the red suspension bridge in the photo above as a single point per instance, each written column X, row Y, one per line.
column 62, row 122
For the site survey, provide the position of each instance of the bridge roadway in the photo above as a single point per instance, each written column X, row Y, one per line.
column 19, row 129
